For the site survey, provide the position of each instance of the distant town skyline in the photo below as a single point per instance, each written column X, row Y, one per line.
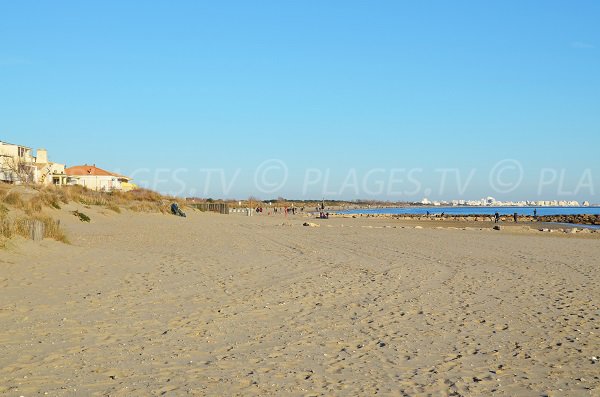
column 492, row 202
column 348, row 100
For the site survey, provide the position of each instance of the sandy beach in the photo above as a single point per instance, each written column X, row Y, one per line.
column 149, row 304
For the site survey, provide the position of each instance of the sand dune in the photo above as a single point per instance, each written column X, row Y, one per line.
column 232, row 305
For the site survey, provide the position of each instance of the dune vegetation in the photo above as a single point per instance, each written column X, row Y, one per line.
column 21, row 205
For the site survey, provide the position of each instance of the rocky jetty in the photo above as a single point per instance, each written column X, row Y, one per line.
column 572, row 219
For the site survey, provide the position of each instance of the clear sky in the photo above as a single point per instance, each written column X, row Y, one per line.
column 343, row 99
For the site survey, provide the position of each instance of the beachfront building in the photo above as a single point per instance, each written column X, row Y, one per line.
column 95, row 178
column 47, row 172
column 18, row 165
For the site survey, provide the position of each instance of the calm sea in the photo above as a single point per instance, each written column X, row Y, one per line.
column 478, row 210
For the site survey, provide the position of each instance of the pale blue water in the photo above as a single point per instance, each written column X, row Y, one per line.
column 482, row 211
column 478, row 211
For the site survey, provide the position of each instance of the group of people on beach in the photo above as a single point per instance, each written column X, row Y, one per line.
column 515, row 216
column 292, row 211
column 497, row 217
column 284, row 211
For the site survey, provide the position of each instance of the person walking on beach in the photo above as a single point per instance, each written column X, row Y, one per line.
column 516, row 217
column 496, row 217
column 535, row 213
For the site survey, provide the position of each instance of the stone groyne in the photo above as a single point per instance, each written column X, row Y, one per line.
column 572, row 219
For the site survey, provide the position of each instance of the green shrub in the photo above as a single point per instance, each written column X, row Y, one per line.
column 82, row 217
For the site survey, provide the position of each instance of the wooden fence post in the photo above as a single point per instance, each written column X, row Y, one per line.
column 37, row 230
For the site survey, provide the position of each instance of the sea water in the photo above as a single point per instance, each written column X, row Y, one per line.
column 541, row 211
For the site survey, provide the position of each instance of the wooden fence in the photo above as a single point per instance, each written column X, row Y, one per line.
column 29, row 228
column 38, row 230
column 221, row 208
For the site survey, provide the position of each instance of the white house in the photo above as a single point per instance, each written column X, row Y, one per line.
column 48, row 173
column 95, row 178
column 18, row 165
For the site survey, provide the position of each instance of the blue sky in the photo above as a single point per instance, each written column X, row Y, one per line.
column 171, row 92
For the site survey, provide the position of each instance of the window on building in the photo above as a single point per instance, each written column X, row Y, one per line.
column 21, row 152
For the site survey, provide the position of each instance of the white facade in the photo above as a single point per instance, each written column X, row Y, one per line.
column 105, row 183
column 50, row 174
column 16, row 163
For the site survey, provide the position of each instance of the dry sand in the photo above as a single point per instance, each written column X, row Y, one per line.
column 229, row 305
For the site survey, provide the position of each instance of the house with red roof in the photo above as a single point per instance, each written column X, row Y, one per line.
column 95, row 178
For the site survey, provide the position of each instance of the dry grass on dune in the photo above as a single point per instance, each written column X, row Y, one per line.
column 14, row 199
column 114, row 208
column 29, row 204
column 35, row 198
column 20, row 226
column 139, row 200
